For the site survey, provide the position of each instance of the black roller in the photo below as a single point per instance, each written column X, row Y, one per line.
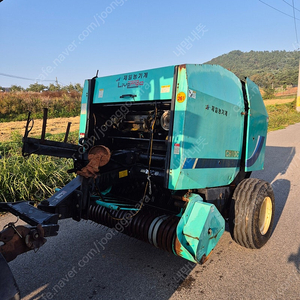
column 150, row 225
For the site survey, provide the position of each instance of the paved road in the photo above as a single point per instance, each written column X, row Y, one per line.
column 130, row 269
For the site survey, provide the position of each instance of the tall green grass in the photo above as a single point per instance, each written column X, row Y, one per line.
column 282, row 115
column 33, row 178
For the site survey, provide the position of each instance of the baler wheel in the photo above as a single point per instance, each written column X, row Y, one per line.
column 252, row 213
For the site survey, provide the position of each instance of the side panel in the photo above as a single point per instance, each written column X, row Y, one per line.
column 208, row 128
column 84, row 109
column 199, row 230
column 155, row 84
column 256, row 130
column 177, row 152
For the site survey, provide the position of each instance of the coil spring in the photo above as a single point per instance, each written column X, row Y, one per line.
column 149, row 226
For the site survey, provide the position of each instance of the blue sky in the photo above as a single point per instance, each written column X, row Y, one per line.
column 70, row 40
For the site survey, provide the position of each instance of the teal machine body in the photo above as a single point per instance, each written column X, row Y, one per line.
column 206, row 130
column 165, row 156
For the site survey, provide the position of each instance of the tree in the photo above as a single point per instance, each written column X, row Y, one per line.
column 36, row 87
column 78, row 87
column 16, row 88
column 69, row 87
column 54, row 88
column 269, row 93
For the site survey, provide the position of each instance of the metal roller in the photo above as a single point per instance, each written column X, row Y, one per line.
column 150, row 226
column 155, row 231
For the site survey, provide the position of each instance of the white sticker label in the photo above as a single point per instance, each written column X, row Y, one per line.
column 83, row 108
column 176, row 148
column 101, row 93
column 59, row 195
column 165, row 89
column 192, row 94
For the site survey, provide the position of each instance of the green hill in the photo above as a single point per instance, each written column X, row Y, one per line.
column 263, row 67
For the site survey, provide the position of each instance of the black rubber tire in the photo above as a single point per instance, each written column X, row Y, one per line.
column 245, row 208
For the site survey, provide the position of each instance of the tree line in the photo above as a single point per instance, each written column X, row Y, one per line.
column 37, row 87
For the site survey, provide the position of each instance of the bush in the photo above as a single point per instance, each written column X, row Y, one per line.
column 269, row 93
column 14, row 106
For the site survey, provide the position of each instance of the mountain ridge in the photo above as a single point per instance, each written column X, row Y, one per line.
column 266, row 68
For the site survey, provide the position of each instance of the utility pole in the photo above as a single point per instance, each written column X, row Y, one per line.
column 298, row 92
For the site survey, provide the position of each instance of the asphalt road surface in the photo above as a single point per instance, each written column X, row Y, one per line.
column 65, row 268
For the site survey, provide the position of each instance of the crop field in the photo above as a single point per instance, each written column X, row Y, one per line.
column 279, row 101
column 54, row 126
column 58, row 125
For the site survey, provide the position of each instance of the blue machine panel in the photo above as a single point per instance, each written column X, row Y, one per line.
column 257, row 128
column 208, row 128
column 199, row 230
column 147, row 85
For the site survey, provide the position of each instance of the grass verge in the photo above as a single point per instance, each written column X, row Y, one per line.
column 34, row 178
column 282, row 115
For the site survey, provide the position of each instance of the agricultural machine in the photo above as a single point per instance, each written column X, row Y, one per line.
column 165, row 156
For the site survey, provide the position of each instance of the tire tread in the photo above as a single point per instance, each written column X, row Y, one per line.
column 245, row 199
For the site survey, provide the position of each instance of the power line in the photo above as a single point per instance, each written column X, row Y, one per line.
column 24, row 78
column 296, row 32
column 291, row 5
column 7, row 75
column 31, row 79
column 278, row 10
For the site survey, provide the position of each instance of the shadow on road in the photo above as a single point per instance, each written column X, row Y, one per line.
column 281, row 189
column 295, row 258
column 277, row 162
column 125, row 268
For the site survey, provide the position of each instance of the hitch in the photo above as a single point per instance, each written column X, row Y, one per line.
column 15, row 240
column 20, row 239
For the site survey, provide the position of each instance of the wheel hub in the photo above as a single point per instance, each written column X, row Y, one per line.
column 265, row 215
